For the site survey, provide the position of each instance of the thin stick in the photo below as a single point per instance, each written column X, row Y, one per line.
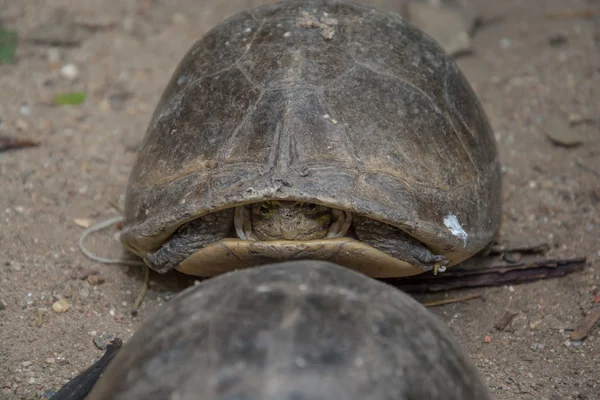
column 450, row 301
column 142, row 294
column 485, row 272
column 568, row 14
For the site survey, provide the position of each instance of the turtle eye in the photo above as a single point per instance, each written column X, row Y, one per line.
column 309, row 206
column 264, row 210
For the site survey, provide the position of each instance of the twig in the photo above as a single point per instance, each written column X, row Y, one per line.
column 481, row 275
column 570, row 14
column 143, row 289
column 450, row 301
column 538, row 248
column 584, row 167
column 13, row 143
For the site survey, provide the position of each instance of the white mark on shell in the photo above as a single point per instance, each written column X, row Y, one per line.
column 263, row 289
column 300, row 362
column 455, row 228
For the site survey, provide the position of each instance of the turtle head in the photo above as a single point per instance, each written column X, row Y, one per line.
column 290, row 220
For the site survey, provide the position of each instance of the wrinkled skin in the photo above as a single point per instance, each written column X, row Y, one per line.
column 272, row 220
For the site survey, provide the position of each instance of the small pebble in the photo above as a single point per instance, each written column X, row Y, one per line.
column 69, row 71
column 61, row 305
column 84, row 292
column 300, row 362
column 103, row 340
column 487, row 339
column 537, row 346
column 534, row 324
column 50, row 360
column 95, row 280
column 26, row 363
column 557, row 39
column 21, row 125
column 25, row 109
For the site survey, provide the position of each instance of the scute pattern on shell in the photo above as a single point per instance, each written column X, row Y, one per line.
column 296, row 330
column 376, row 119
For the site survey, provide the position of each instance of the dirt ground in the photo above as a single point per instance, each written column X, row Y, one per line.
column 534, row 74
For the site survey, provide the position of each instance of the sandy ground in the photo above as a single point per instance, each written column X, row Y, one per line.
column 527, row 69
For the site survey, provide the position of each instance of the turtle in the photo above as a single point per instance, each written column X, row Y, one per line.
column 314, row 129
column 296, row 330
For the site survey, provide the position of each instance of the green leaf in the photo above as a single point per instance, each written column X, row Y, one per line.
column 69, row 99
column 8, row 46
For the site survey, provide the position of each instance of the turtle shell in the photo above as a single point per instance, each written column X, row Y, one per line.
column 296, row 330
column 329, row 102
